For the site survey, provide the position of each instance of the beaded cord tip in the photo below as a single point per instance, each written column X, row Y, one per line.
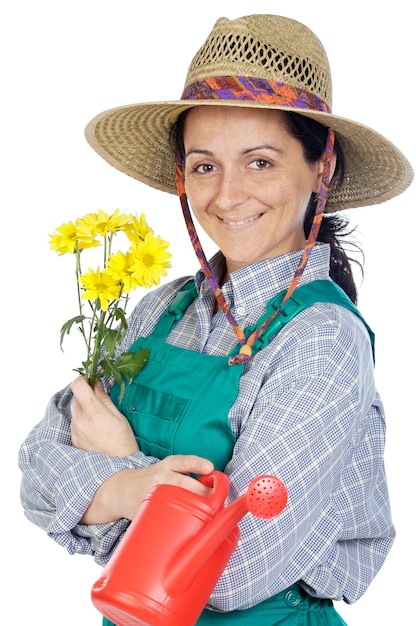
column 246, row 350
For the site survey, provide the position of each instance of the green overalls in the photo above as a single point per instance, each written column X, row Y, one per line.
column 173, row 410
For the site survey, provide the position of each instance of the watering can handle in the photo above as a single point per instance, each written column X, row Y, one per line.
column 220, row 485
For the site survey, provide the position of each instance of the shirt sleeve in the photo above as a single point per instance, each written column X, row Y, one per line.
column 314, row 419
column 59, row 482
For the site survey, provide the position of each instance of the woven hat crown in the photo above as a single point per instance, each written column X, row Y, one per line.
column 265, row 46
column 287, row 57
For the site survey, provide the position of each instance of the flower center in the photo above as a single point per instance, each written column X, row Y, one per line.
column 148, row 260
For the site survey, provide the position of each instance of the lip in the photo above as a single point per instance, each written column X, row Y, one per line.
column 241, row 223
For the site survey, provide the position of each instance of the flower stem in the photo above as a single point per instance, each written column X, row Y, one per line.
column 78, row 273
column 94, row 357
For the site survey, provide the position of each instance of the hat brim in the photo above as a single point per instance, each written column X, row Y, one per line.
column 135, row 140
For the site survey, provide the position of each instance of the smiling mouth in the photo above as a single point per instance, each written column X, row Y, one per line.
column 248, row 220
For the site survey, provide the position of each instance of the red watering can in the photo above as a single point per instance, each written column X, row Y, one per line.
column 175, row 550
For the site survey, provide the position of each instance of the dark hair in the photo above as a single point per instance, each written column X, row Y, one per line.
column 334, row 227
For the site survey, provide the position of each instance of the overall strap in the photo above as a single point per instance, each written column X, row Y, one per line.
column 183, row 298
column 304, row 296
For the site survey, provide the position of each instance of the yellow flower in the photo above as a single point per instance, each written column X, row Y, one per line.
column 151, row 260
column 103, row 323
column 66, row 238
column 119, row 267
column 137, row 228
column 99, row 285
column 101, row 223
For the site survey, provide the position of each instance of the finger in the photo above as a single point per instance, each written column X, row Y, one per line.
column 80, row 387
column 99, row 391
column 98, row 384
column 84, row 394
column 74, row 406
column 189, row 464
column 105, row 399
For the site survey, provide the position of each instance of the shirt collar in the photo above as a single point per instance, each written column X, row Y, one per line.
column 256, row 284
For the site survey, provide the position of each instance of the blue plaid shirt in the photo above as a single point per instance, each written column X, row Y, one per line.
column 307, row 412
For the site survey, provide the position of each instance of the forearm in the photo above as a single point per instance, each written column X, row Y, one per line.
column 59, row 482
column 118, row 497
column 85, row 499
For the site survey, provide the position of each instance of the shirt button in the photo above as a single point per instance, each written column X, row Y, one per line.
column 292, row 598
column 241, row 310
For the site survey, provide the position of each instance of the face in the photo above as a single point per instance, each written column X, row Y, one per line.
column 247, row 182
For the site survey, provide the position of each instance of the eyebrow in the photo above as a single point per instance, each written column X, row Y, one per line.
column 247, row 151
column 262, row 147
column 195, row 151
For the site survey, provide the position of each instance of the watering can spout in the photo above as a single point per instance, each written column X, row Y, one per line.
column 266, row 497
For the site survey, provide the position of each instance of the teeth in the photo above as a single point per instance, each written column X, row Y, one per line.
column 241, row 222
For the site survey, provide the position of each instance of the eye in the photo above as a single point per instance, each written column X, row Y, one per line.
column 260, row 164
column 203, row 168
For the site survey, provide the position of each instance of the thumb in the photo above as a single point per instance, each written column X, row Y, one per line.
column 189, row 464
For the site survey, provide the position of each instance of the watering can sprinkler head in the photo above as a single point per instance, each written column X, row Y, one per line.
column 266, row 497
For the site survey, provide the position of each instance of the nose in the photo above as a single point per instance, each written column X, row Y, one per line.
column 231, row 190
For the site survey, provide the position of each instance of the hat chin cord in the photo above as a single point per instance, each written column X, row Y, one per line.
column 248, row 342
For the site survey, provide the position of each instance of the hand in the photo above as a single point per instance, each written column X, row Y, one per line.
column 120, row 495
column 97, row 424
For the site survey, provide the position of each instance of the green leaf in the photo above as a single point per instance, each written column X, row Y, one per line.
column 86, row 364
column 110, row 340
column 120, row 316
column 125, row 367
column 66, row 328
column 129, row 364
column 109, row 368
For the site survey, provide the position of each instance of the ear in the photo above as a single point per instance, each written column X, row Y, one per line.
column 321, row 171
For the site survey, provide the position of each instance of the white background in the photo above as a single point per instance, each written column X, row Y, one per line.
column 61, row 64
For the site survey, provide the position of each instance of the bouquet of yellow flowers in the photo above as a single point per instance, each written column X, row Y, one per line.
column 106, row 290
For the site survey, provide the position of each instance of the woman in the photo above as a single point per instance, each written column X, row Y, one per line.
column 266, row 366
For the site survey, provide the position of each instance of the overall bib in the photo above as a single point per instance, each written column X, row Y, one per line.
column 179, row 404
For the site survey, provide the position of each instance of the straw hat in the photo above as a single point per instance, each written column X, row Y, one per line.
column 269, row 61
